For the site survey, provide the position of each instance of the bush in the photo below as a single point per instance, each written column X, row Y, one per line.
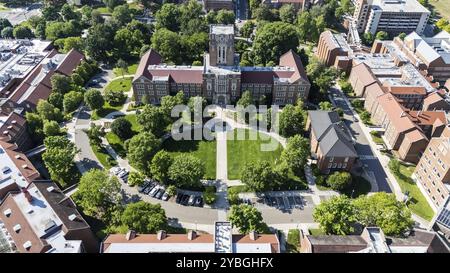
column 394, row 165
column 122, row 128
column 339, row 180
column 115, row 97
column 171, row 190
column 210, row 195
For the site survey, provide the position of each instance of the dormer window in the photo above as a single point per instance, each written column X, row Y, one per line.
column 17, row 228
column 27, row 245
column 50, row 189
column 7, row 212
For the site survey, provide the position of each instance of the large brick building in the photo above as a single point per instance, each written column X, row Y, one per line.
column 220, row 79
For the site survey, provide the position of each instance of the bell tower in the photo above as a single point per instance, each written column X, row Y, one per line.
column 221, row 45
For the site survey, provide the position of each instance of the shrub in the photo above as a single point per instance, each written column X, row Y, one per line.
column 339, row 180
column 210, row 195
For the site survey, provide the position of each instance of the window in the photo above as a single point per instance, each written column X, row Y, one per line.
column 346, row 159
column 329, row 165
column 334, row 165
column 331, row 159
column 340, row 165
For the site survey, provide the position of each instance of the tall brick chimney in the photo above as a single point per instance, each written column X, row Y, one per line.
column 161, row 235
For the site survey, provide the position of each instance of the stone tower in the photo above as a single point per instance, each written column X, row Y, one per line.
column 221, row 45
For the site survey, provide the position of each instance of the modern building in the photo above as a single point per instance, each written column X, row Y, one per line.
column 222, row 241
column 331, row 143
column 40, row 218
column 334, row 48
column 435, row 101
column 391, row 16
column 373, row 240
column 429, row 54
column 433, row 170
column 221, row 80
column 218, row 5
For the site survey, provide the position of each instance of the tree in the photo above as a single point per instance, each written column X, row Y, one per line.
column 288, row 13
column 95, row 134
column 168, row 17
column 68, row 13
column 94, row 99
column 59, row 158
column 160, row 165
column 115, row 97
column 136, row 179
column 197, row 102
column 57, row 30
column 225, row 17
column 56, row 99
column 296, row 153
column 263, row 13
column 140, row 150
column 122, row 66
column 272, row 40
column 246, row 99
column 258, row 176
column 171, row 190
column 382, row 35
column 60, row 83
column 153, row 119
column 100, row 41
column 97, row 193
column 51, row 128
column 368, row 38
column 394, row 166
column 336, row 215
column 69, row 43
column 402, row 36
column 325, row 105
column 122, row 15
column 122, row 128
column 339, row 181
column 71, row 101
column 7, row 32
column 383, row 210
column 247, row 219
column 191, row 18
column 168, row 44
column 186, row 171
column 291, row 121
column 22, row 32
column 144, row 217
column 47, row 111
column 169, row 102
column 4, row 23
column 35, row 126
column 111, row 4
column 247, row 29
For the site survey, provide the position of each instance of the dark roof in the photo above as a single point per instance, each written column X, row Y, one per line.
column 62, row 205
column 420, row 238
column 72, row 59
column 291, row 59
column 331, row 134
column 334, row 240
column 179, row 75
column 150, row 57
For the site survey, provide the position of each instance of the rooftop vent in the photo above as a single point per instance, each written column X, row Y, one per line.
column 192, row 235
column 253, row 235
column 27, row 195
column 30, row 210
column 131, row 234
column 9, row 127
column 7, row 212
column 17, row 156
column 161, row 235
column 50, row 189
column 13, row 122
column 27, row 245
column 17, row 228
column 24, row 166
column 72, row 217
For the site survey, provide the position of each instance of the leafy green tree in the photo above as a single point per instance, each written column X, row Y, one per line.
column 140, row 150
column 288, row 13
column 191, row 18
column 22, row 32
column 35, row 126
column 272, row 40
column 383, row 210
column 60, row 83
column 122, row 66
column 58, row 30
column 339, row 180
column 160, row 165
column 368, row 38
column 4, row 23
column 247, row 219
column 115, row 97
column 122, row 15
column 296, row 153
column 56, row 99
column 97, row 193
column 169, row 102
column 325, row 105
column 144, row 217
column 7, row 32
column 225, row 17
column 94, row 99
column 394, row 166
column 247, row 29
column 47, row 111
column 168, row 17
column 69, row 43
column 382, row 35
column 258, row 176
column 153, row 119
column 263, row 13
column 194, row 46
column 211, row 17
column 51, row 128
column 336, row 215
column 171, row 190
column 168, row 44
column 68, row 13
column 100, row 41
column 186, row 171
column 59, row 158
column 197, row 102
column 136, row 179
column 122, row 128
column 111, row 4
column 402, row 36
column 95, row 134
column 291, row 121
column 246, row 99
column 71, row 101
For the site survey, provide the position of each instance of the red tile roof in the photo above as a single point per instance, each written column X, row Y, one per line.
column 72, row 59
column 291, row 59
column 149, row 58
column 179, row 75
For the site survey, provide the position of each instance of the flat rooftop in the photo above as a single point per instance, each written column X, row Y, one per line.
column 222, row 29
column 399, row 6
column 9, row 173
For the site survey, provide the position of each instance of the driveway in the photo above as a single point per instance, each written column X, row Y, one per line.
column 362, row 146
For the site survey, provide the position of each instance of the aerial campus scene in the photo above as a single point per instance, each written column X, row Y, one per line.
column 224, row 126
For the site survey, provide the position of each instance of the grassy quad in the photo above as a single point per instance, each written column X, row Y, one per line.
column 202, row 149
column 441, row 6
column 240, row 152
column 118, row 84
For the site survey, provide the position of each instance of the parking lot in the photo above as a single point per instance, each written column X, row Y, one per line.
column 284, row 201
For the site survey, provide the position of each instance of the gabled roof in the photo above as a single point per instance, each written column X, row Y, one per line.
column 72, row 59
column 291, row 59
column 149, row 58
column 331, row 134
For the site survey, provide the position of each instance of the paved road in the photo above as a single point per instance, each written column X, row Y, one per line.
column 19, row 15
column 362, row 145
column 241, row 9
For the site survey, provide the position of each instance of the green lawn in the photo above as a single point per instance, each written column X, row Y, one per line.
column 240, row 152
column 441, row 7
column 316, row 231
column 417, row 204
column 103, row 10
column 135, row 126
column 131, row 69
column 116, row 143
column 293, row 241
column 107, row 109
column 376, row 137
column 360, row 186
column 202, row 149
column 103, row 156
column 122, row 84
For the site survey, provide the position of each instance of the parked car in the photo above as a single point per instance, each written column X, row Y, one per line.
column 153, row 192
column 144, row 186
column 179, row 197
column 123, row 174
column 147, row 190
column 184, row 200
column 116, row 170
column 159, row 193
column 191, row 200
column 165, row 196
column 198, row 201
column 355, row 119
